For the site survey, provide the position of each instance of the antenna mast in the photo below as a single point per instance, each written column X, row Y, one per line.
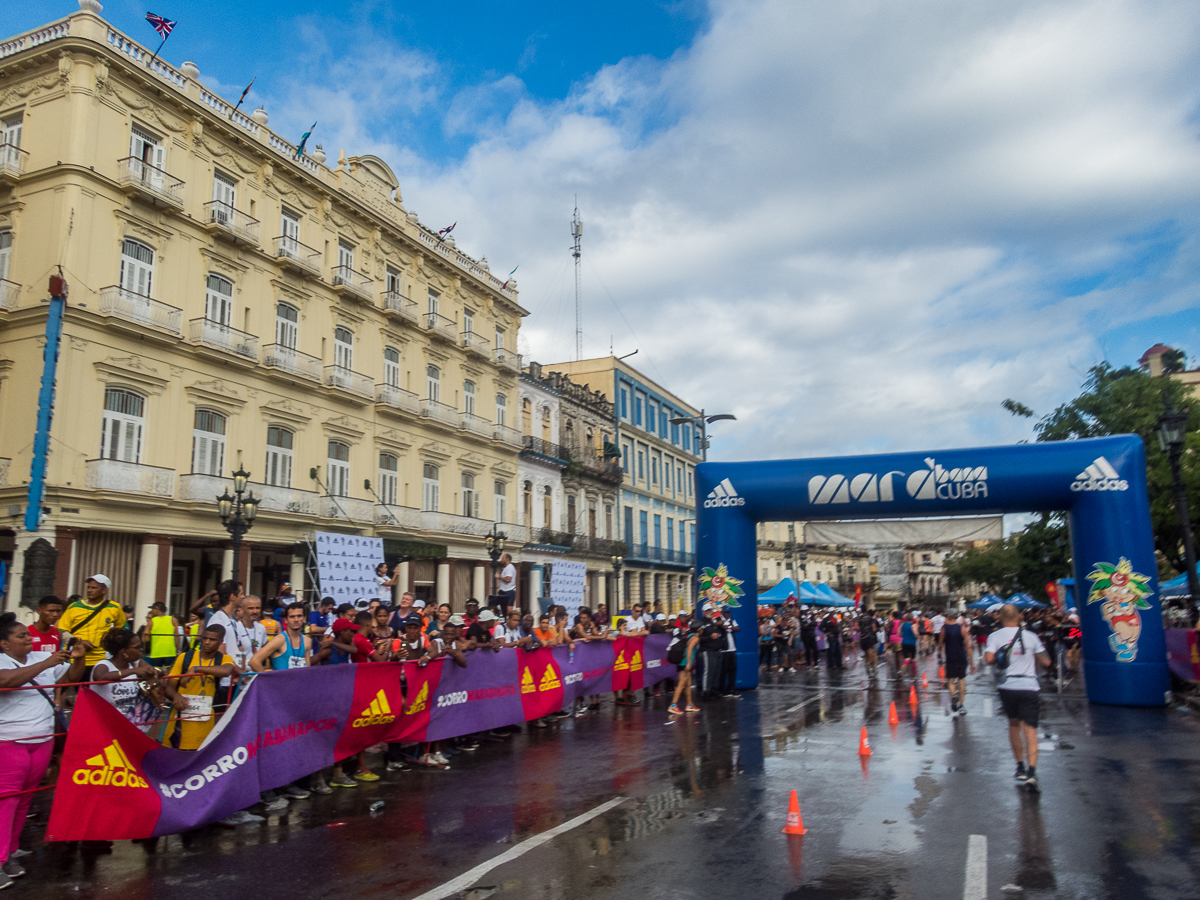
column 577, row 234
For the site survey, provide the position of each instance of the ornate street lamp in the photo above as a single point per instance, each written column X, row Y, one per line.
column 494, row 543
column 1172, row 433
column 700, row 421
column 237, row 514
column 617, row 562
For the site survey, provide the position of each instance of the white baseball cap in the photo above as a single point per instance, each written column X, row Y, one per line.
column 418, row 604
column 362, row 603
column 101, row 579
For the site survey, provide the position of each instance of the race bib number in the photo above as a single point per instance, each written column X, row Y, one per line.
column 199, row 708
column 296, row 662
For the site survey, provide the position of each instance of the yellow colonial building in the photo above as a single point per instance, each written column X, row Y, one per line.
column 233, row 302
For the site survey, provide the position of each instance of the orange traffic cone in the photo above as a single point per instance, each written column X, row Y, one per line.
column 893, row 719
column 864, row 745
column 795, row 824
column 942, row 672
column 912, row 696
column 924, row 680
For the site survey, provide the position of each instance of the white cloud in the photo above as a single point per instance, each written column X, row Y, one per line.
column 848, row 223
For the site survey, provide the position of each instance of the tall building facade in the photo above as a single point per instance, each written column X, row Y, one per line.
column 234, row 301
column 656, row 508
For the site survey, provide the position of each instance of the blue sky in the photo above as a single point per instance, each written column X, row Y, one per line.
column 859, row 226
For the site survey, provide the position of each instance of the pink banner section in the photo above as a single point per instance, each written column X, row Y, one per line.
column 118, row 784
column 1183, row 653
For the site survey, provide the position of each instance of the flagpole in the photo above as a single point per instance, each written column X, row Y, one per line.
column 160, row 46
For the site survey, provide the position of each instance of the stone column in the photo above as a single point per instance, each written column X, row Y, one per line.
column 147, row 579
column 601, row 589
column 479, row 582
column 296, row 574
column 404, row 582
column 227, row 563
column 65, row 541
column 443, row 582
column 536, row 573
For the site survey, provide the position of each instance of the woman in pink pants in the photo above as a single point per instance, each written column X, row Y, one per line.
column 26, row 726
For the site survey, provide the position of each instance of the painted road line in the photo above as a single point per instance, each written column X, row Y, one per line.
column 802, row 705
column 976, row 884
column 468, row 878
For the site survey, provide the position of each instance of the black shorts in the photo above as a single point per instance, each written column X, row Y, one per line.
column 1022, row 705
column 867, row 643
column 908, row 651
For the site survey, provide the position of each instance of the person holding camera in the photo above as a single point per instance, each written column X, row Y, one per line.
column 1016, row 653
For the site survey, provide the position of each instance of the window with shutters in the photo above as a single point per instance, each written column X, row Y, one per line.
column 148, row 157
column 527, row 503
column 343, row 348
column 5, row 253
column 10, row 132
column 571, row 513
column 546, row 423
column 389, row 466
column 137, row 268
column 208, row 443
column 469, row 397
column 501, row 409
column 500, row 501
column 470, row 496
column 124, row 422
column 499, row 338
column 433, row 302
column 526, row 416
column 433, row 383
column 429, row 487
column 468, row 321
column 547, row 507
column 391, row 367
column 393, row 281
column 289, row 228
column 345, row 255
column 279, row 456
column 338, row 469
column 225, row 197
column 219, row 304
column 287, row 320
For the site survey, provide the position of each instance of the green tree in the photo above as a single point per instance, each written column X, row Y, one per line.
column 1129, row 401
column 1023, row 562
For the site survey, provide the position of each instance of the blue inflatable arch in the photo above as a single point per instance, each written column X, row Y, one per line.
column 1100, row 483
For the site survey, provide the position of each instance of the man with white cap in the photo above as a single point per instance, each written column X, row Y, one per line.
column 91, row 619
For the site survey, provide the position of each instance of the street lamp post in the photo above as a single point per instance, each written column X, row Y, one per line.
column 1172, row 433
column 495, row 547
column 237, row 514
column 700, row 421
column 617, row 562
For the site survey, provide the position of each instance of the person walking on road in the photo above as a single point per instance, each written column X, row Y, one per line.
column 1018, row 653
column 954, row 645
column 686, row 669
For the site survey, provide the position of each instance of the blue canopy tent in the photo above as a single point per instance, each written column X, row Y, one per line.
column 985, row 601
column 1176, row 587
column 835, row 599
column 1024, row 601
column 811, row 595
column 786, row 589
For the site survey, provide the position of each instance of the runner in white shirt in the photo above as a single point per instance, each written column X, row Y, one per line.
column 635, row 623
column 1019, row 691
column 249, row 635
column 938, row 622
column 508, row 633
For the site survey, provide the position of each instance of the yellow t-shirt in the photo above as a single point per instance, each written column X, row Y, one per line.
column 111, row 616
column 201, row 691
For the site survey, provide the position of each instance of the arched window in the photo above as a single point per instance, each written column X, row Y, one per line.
column 526, row 416
column 547, row 507
column 391, row 367
column 527, row 503
column 429, row 487
column 279, row 456
column 433, row 383
column 137, row 267
column 546, row 423
column 124, row 419
column 470, row 496
column 389, row 465
column 501, row 409
column 500, row 501
column 219, row 304
column 208, row 443
column 570, row 435
column 338, row 469
column 469, row 397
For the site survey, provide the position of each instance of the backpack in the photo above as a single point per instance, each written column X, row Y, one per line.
column 675, row 651
column 1003, row 657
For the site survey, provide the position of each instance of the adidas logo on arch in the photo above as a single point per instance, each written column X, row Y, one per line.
column 1099, row 476
column 724, row 494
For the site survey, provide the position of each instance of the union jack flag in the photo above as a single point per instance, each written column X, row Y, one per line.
column 161, row 25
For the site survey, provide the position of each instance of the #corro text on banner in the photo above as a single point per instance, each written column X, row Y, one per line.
column 118, row 784
column 346, row 565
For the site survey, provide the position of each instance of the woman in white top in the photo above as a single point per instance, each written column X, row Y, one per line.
column 121, row 675
column 27, row 725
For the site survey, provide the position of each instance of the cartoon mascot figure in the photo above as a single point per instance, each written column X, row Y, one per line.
column 1122, row 592
column 718, row 588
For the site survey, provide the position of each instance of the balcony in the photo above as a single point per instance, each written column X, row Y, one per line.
column 280, row 499
column 476, row 425
column 12, row 162
column 596, row 546
column 347, row 508
column 9, row 292
column 439, row 412
column 291, row 254
column 474, row 343
column 452, row 524
column 224, row 221
column 210, row 333
column 401, row 306
column 643, row 553
column 507, row 359
column 352, row 383
column 398, row 516
column 291, row 361
column 507, row 435
column 140, row 309
column 548, row 537
column 535, row 446
column 149, row 182
column 440, row 326
column 131, row 478
column 393, row 398
column 590, row 462
column 353, row 284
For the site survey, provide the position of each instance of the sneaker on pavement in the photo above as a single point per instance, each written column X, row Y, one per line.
column 962, row 710
column 343, row 782
column 398, row 767
column 561, row 714
column 366, row 775
column 279, row 804
column 440, row 758
column 241, row 817
column 1021, row 775
column 13, row 869
column 322, row 788
column 1031, row 782
column 18, row 853
column 5, row 881
column 295, row 792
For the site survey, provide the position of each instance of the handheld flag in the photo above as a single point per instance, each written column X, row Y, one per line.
column 857, row 595
column 508, row 280
column 445, row 231
column 242, row 98
column 164, row 27
column 304, row 140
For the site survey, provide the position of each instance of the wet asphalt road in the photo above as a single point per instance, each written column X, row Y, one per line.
column 1118, row 815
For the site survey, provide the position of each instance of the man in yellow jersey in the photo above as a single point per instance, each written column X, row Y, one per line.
column 163, row 633
column 91, row 619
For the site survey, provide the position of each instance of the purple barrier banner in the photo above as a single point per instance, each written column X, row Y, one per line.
column 587, row 671
column 1183, row 654
column 480, row 697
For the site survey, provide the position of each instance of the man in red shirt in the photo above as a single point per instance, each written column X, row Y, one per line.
column 46, row 637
